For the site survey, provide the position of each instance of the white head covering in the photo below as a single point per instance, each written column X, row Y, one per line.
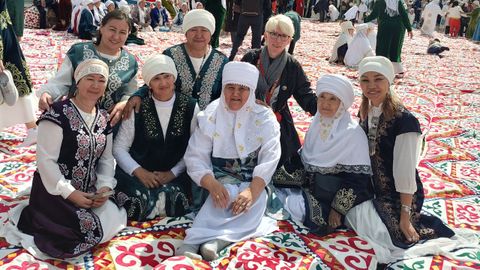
column 476, row 3
column 158, row 64
column 378, row 64
column 108, row 3
column 86, row 2
column 199, row 17
column 343, row 38
column 236, row 134
column 90, row 66
column 351, row 13
column 344, row 142
column 392, row 7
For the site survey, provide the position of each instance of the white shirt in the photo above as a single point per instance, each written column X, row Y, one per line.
column 126, row 135
column 48, row 150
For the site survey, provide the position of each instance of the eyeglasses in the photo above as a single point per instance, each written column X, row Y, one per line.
column 276, row 35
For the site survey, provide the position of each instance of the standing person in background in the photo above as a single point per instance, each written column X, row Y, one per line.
column 231, row 19
column 12, row 59
column 218, row 11
column 473, row 19
column 15, row 11
column 455, row 12
column 251, row 15
column 296, row 20
column 417, row 8
column 429, row 15
column 392, row 21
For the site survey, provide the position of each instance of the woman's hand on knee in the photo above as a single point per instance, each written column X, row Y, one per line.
column 218, row 192
column 243, row 202
column 334, row 219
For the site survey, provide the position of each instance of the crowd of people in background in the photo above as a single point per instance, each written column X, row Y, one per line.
column 210, row 136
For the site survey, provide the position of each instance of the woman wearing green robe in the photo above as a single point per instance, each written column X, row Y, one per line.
column 392, row 22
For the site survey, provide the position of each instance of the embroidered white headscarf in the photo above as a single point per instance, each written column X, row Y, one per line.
column 236, row 134
column 345, row 142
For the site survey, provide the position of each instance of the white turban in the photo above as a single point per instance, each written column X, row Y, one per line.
column 476, row 3
column 90, row 66
column 337, row 85
column 241, row 73
column 378, row 64
column 86, row 2
column 199, row 17
column 108, row 3
column 158, row 64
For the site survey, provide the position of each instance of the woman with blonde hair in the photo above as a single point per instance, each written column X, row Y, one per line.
column 280, row 77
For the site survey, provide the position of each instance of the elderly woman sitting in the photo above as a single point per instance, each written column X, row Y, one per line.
column 150, row 145
column 335, row 159
column 233, row 154
column 69, row 210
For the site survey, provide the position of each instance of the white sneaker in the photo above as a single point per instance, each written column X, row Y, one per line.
column 8, row 88
column 30, row 139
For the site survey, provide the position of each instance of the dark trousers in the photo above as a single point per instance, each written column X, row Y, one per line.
column 244, row 22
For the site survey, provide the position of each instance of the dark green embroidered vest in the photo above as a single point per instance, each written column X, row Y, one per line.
column 150, row 148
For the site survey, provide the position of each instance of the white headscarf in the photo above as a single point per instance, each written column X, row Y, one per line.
column 392, row 7
column 199, row 17
column 90, row 66
column 158, row 64
column 236, row 134
column 346, row 142
column 378, row 64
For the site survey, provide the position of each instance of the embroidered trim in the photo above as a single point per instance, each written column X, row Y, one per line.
column 344, row 200
column 282, row 177
column 357, row 169
column 316, row 214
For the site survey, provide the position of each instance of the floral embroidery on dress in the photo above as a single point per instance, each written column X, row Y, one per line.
column 4, row 19
column 205, row 94
column 20, row 82
column 89, row 224
column 344, row 200
column 315, row 210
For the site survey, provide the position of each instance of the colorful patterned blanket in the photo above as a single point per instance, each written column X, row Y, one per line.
column 443, row 93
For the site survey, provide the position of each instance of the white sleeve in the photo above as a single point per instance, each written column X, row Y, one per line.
column 180, row 166
column 132, row 87
column 59, row 84
column 269, row 155
column 123, row 142
column 405, row 154
column 197, row 157
column 50, row 136
column 106, row 166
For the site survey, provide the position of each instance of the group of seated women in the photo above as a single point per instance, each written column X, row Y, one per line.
column 361, row 175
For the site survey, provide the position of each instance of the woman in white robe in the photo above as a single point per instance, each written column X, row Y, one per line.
column 334, row 13
column 359, row 48
column 233, row 154
column 341, row 45
column 429, row 15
